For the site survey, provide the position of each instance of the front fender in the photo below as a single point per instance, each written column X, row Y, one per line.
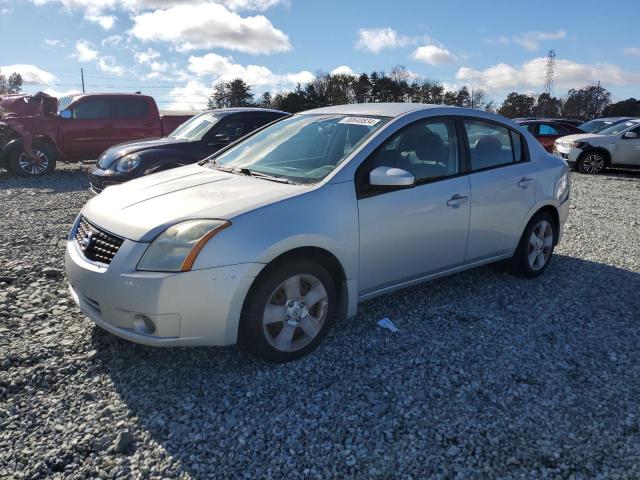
column 10, row 146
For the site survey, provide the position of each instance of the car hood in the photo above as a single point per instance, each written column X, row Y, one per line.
column 585, row 137
column 142, row 208
column 117, row 152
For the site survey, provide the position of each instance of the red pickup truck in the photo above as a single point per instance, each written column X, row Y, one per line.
column 74, row 128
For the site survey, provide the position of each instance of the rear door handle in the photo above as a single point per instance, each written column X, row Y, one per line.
column 525, row 182
column 457, row 200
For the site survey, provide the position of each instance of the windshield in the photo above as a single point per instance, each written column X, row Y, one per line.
column 619, row 128
column 195, row 128
column 302, row 148
column 63, row 103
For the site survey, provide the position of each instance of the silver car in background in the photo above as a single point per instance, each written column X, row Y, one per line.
column 272, row 239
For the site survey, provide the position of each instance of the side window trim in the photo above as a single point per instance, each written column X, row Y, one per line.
column 462, row 131
column 462, row 161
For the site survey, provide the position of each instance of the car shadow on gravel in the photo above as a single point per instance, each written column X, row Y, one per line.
column 70, row 178
column 488, row 372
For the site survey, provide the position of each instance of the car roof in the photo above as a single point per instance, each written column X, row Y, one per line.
column 611, row 119
column 246, row 110
column 377, row 109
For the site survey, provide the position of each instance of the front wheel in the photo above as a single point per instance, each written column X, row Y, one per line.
column 536, row 247
column 592, row 163
column 288, row 311
column 23, row 165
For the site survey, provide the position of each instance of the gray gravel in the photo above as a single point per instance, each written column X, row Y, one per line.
column 489, row 376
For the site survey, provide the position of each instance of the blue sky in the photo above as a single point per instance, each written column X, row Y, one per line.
column 176, row 50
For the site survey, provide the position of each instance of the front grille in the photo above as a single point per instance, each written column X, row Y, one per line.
column 97, row 244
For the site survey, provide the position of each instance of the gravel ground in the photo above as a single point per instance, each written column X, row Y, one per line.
column 489, row 376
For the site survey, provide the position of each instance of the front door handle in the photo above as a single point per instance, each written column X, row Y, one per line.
column 457, row 200
column 525, row 182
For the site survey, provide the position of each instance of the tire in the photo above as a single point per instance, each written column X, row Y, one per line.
column 20, row 163
column 525, row 262
column 592, row 162
column 276, row 325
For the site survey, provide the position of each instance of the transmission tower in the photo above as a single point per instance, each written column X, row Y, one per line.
column 548, row 78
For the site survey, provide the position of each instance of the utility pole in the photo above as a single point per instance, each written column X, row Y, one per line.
column 82, row 78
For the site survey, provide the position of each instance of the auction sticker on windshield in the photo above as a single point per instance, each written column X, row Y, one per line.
column 369, row 122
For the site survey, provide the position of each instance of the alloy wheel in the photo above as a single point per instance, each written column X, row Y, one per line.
column 593, row 163
column 35, row 166
column 540, row 245
column 295, row 313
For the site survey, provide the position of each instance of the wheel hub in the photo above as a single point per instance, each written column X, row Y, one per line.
column 295, row 311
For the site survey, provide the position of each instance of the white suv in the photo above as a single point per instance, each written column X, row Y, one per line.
column 616, row 146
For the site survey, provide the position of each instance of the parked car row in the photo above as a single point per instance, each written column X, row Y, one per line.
column 615, row 146
column 591, row 146
column 272, row 238
column 39, row 130
column 192, row 141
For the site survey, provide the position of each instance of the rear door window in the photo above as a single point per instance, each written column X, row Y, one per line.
column 490, row 145
column 130, row 108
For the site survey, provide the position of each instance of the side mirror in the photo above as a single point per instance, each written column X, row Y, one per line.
column 66, row 114
column 630, row 135
column 391, row 177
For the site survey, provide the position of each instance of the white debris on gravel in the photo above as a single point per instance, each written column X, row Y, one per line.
column 490, row 375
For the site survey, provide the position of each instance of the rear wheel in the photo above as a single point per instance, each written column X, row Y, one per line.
column 592, row 163
column 288, row 311
column 23, row 165
column 536, row 246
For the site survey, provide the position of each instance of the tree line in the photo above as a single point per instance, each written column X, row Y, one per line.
column 10, row 85
column 399, row 86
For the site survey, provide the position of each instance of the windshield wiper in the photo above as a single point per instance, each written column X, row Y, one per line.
column 266, row 176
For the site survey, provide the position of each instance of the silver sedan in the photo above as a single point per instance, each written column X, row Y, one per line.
column 271, row 240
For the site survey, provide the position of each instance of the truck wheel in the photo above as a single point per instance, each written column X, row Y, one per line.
column 21, row 164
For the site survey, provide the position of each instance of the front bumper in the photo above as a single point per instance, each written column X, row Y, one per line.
column 569, row 154
column 100, row 179
column 200, row 307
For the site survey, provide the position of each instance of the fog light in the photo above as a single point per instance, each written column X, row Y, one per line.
column 143, row 324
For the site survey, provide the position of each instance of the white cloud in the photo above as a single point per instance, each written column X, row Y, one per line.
column 528, row 40
column 60, row 93
column 52, row 43
column 531, row 75
column 377, row 39
column 632, row 51
column 105, row 21
column 85, row 51
column 531, row 40
column 29, row 73
column 109, row 65
column 113, row 40
column 223, row 70
column 342, row 70
column 146, row 57
column 210, row 25
column 193, row 96
column 433, row 55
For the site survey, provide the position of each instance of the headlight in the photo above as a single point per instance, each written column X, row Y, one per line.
column 176, row 249
column 562, row 187
column 575, row 144
column 127, row 163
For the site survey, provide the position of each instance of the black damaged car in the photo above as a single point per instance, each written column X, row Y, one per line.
column 192, row 141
